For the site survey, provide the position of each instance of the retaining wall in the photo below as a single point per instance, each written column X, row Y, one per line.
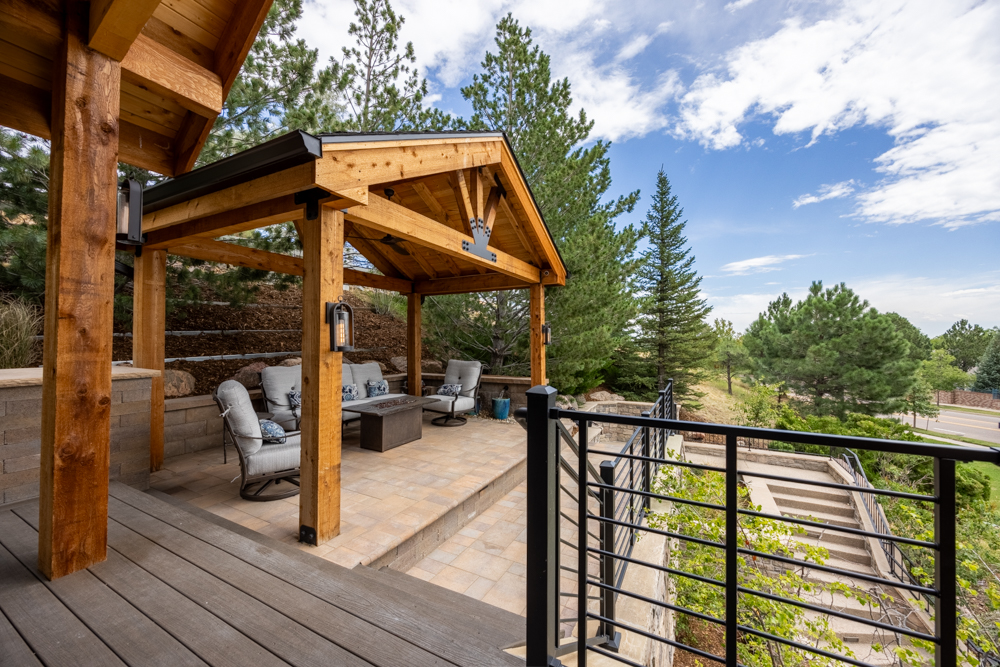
column 618, row 432
column 975, row 399
column 21, row 430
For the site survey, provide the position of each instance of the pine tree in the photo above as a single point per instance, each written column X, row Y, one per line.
column 672, row 313
column 515, row 93
column 730, row 355
column 966, row 342
column 379, row 89
column 988, row 368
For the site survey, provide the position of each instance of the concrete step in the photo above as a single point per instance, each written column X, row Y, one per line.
column 832, row 537
column 806, row 491
column 843, row 510
column 856, row 555
column 821, row 517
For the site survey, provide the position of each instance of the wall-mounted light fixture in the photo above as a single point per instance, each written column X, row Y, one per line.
column 340, row 317
column 546, row 334
column 129, row 223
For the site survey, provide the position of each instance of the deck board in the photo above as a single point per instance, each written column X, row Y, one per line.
column 405, row 616
column 179, row 590
column 126, row 630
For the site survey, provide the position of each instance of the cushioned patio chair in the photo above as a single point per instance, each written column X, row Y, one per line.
column 467, row 375
column 261, row 463
column 276, row 383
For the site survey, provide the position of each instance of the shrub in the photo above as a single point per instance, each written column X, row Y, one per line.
column 384, row 303
column 19, row 322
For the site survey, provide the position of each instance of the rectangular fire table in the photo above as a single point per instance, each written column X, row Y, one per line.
column 391, row 423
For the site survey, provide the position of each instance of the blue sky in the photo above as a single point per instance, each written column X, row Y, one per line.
column 842, row 141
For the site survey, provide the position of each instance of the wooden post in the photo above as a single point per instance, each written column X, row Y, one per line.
column 414, row 376
column 537, row 305
column 79, row 288
column 323, row 282
column 149, row 313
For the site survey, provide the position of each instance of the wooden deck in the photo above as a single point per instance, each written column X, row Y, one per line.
column 180, row 588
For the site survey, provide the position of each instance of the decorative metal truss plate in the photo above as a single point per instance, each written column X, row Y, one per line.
column 481, row 238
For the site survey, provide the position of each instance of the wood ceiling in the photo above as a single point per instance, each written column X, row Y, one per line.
column 179, row 59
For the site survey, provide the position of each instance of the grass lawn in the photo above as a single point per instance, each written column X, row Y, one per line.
column 960, row 438
column 991, row 471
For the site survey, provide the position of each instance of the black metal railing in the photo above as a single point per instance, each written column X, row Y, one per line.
column 575, row 549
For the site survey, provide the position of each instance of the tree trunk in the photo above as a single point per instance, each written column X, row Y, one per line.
column 729, row 378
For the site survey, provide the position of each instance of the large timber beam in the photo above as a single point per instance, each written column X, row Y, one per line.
column 536, row 305
column 150, row 65
column 491, row 282
column 149, row 314
column 390, row 218
column 79, row 292
column 115, row 24
column 254, row 258
column 322, row 377
column 266, row 213
column 352, row 168
column 414, row 350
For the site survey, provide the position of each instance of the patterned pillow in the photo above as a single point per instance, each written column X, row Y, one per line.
column 295, row 399
column 350, row 392
column 378, row 387
column 450, row 390
column 273, row 433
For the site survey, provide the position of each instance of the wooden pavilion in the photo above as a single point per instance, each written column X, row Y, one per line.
column 141, row 82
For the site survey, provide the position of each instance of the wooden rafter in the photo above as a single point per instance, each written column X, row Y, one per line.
column 519, row 230
column 153, row 66
column 426, row 196
column 475, row 182
column 390, row 218
column 464, row 284
column 253, row 216
column 115, row 24
column 461, row 189
column 362, row 238
column 490, row 207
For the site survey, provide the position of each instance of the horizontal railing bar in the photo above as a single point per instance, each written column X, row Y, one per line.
column 839, row 529
column 569, row 569
column 661, row 568
column 650, row 635
column 653, row 459
column 804, row 647
column 573, row 546
column 658, row 603
column 573, row 521
column 658, row 496
column 838, row 614
column 953, row 452
column 614, row 656
column 665, row 533
column 845, row 487
column 836, row 570
column 571, row 647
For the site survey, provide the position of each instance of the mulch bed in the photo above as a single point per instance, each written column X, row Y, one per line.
column 709, row 637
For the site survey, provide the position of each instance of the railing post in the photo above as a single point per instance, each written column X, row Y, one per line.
column 661, row 439
column 647, row 466
column 608, row 562
column 542, row 571
column 945, row 572
column 732, row 544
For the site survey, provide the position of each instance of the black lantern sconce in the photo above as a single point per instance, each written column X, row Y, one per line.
column 129, row 223
column 340, row 317
column 546, row 334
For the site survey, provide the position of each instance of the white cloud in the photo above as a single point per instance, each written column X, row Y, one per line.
column 834, row 191
column 926, row 71
column 758, row 264
column 738, row 4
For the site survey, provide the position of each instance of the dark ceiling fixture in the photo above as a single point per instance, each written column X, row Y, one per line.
column 395, row 243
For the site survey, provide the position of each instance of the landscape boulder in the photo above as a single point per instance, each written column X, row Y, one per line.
column 249, row 376
column 431, row 366
column 294, row 361
column 398, row 362
column 605, row 396
column 566, row 402
column 581, row 399
column 177, row 383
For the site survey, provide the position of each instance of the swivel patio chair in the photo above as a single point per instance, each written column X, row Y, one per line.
column 276, row 383
column 468, row 374
column 261, row 463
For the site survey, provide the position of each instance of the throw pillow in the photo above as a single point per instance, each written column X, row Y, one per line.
column 450, row 390
column 378, row 387
column 295, row 399
column 272, row 433
column 350, row 392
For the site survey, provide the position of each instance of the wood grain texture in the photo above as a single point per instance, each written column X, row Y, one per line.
column 151, row 65
column 365, row 279
column 114, row 24
column 322, row 379
column 262, row 214
column 385, row 216
column 468, row 284
column 79, row 291
column 386, row 261
column 536, row 305
column 149, row 316
column 25, row 108
column 237, row 255
column 414, row 353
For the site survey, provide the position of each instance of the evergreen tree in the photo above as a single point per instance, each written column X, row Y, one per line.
column 966, row 342
column 920, row 344
column 515, row 93
column 988, row 368
column 379, row 89
column 833, row 350
column 24, row 201
column 730, row 355
column 672, row 328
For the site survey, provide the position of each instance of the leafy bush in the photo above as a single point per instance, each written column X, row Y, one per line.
column 384, row 303
column 19, row 322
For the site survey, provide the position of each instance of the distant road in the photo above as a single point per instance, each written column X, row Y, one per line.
column 951, row 424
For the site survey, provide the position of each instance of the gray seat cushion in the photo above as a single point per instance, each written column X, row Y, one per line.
column 362, row 373
column 444, row 404
column 233, row 397
column 277, row 381
column 465, row 373
column 275, row 458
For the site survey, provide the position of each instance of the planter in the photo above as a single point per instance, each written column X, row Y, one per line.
column 501, row 408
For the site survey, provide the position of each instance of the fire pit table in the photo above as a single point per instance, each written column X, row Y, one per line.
column 391, row 423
